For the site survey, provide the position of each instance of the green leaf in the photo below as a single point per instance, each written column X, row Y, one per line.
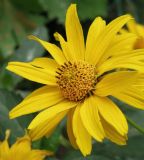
column 36, row 144
column 7, row 100
column 30, row 49
column 7, row 45
column 27, row 51
column 53, row 142
column 27, row 5
column 134, row 114
column 15, row 23
column 6, row 38
column 87, row 9
column 133, row 150
column 76, row 155
column 55, row 8
column 37, row 19
column 51, row 158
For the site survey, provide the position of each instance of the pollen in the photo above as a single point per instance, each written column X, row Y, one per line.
column 76, row 80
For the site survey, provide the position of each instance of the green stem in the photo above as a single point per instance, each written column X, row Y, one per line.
column 140, row 129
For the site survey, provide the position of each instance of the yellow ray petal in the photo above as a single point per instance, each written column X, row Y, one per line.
column 4, row 146
column 132, row 96
column 50, row 112
column 115, row 82
column 47, row 127
column 132, row 26
column 55, row 51
column 33, row 73
column 22, row 145
column 83, row 138
column 46, row 63
column 95, row 29
column 112, row 114
column 40, row 99
column 123, row 31
column 112, row 134
column 120, row 44
column 70, row 56
column 91, row 119
column 129, row 60
column 74, row 33
column 140, row 30
column 39, row 154
column 139, row 84
column 70, row 129
column 135, row 28
column 105, row 38
column 41, row 91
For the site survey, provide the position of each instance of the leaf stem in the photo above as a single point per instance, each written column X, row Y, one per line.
column 140, row 129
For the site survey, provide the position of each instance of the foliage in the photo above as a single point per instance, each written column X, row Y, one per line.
column 42, row 18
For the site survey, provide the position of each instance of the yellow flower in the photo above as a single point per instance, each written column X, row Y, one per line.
column 21, row 150
column 138, row 30
column 79, row 81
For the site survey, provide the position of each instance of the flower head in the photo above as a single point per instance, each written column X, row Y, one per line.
column 80, row 80
column 21, row 150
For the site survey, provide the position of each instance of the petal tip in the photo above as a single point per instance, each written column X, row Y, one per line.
column 56, row 36
column 7, row 67
column 32, row 37
column 30, row 127
column 11, row 116
column 129, row 16
column 73, row 5
column 72, row 8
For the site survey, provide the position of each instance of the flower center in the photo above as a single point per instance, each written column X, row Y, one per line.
column 76, row 80
column 139, row 44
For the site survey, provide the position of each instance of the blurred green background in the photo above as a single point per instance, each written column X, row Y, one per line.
column 19, row 18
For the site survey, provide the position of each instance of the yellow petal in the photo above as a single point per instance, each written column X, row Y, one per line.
column 33, row 73
column 4, row 146
column 22, row 145
column 119, row 45
column 83, row 138
column 91, row 119
column 140, row 30
column 39, row 154
column 50, row 112
column 46, row 63
column 70, row 129
column 95, row 29
column 115, row 82
column 70, row 56
column 112, row 114
column 47, row 127
column 74, row 33
column 139, row 84
column 123, row 31
column 131, row 96
column 106, row 37
column 129, row 60
column 132, row 26
column 55, row 51
column 112, row 134
column 42, row 98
